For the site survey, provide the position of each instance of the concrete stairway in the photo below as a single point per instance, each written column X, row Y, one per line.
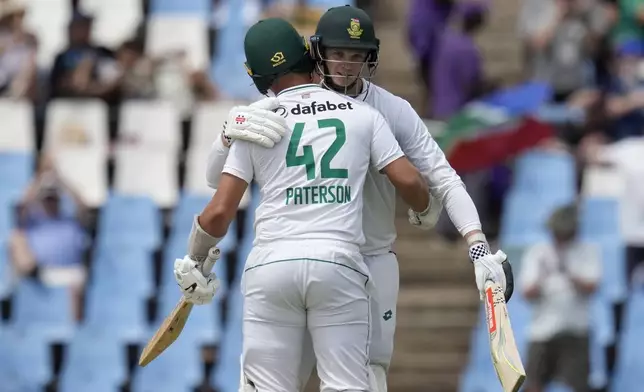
column 397, row 71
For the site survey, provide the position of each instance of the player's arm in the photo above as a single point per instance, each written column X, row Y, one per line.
column 192, row 273
column 388, row 158
column 446, row 185
column 256, row 124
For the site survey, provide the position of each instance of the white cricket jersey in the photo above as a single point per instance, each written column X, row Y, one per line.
column 423, row 152
column 311, row 182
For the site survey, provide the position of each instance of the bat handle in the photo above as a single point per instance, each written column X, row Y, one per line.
column 209, row 263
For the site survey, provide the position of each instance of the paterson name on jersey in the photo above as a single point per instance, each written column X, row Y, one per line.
column 320, row 194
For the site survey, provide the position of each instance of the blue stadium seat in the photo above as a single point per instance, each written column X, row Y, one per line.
column 93, row 362
column 5, row 272
column 198, row 7
column 25, row 361
column 129, row 221
column 204, row 325
column 162, row 374
column 558, row 387
column 546, row 163
column 116, row 315
column 44, row 312
column 629, row 376
column 124, row 269
column 225, row 377
column 523, row 221
column 225, row 70
column 183, row 215
column 16, row 170
column 7, row 215
column 599, row 219
column 613, row 283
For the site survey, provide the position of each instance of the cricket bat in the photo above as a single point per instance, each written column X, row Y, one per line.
column 505, row 355
column 172, row 326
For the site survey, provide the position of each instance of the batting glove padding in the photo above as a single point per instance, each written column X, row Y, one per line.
column 196, row 288
column 427, row 219
column 257, row 123
column 493, row 267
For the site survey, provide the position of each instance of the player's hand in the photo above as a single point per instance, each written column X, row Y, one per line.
column 256, row 123
column 196, row 288
column 427, row 219
column 493, row 267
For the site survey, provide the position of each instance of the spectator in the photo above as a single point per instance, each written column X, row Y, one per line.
column 176, row 82
column 81, row 69
column 427, row 21
column 625, row 103
column 133, row 73
column 18, row 69
column 534, row 16
column 562, row 49
column 48, row 244
column 630, row 21
column 457, row 73
column 558, row 278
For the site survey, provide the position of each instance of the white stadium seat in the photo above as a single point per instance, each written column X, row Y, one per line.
column 147, row 172
column 196, row 164
column 17, row 126
column 86, row 172
column 179, row 33
column 154, row 124
column 48, row 19
column 115, row 21
column 77, row 123
column 207, row 122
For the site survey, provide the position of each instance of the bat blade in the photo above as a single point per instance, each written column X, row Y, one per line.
column 172, row 326
column 167, row 333
column 505, row 354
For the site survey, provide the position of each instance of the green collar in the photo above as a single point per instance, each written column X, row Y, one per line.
column 298, row 88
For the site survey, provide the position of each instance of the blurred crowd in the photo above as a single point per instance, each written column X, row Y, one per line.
column 590, row 53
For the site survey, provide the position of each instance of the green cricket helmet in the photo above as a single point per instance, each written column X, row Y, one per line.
column 345, row 27
column 274, row 48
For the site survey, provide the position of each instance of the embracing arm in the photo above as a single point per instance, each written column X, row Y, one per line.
column 222, row 209
column 212, row 224
column 445, row 185
column 256, row 123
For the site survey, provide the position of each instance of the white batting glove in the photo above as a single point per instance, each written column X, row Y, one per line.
column 427, row 219
column 492, row 267
column 256, row 123
column 196, row 288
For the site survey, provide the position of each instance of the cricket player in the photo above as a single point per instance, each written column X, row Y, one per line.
column 345, row 49
column 305, row 274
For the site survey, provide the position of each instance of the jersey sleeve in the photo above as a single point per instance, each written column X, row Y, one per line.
column 423, row 152
column 216, row 161
column 239, row 162
column 384, row 147
column 445, row 184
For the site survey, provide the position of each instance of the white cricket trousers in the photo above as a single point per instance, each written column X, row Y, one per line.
column 384, row 274
column 324, row 293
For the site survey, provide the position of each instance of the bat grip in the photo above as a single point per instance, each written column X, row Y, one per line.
column 209, row 263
